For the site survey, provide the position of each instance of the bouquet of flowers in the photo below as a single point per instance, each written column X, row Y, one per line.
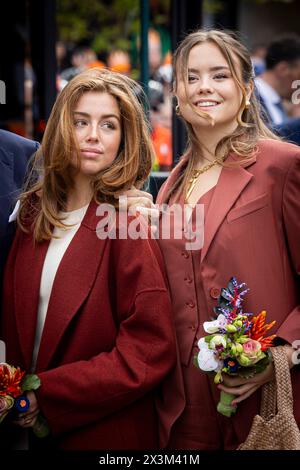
column 13, row 384
column 236, row 342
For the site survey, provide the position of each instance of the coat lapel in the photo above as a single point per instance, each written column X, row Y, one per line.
column 28, row 269
column 73, row 281
column 232, row 182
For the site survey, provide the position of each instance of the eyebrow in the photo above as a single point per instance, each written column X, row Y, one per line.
column 212, row 69
column 104, row 116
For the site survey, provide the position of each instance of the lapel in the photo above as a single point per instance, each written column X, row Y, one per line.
column 28, row 269
column 73, row 281
column 232, row 182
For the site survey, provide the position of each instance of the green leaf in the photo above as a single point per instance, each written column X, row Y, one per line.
column 196, row 361
column 208, row 338
column 41, row 428
column 30, row 382
column 261, row 365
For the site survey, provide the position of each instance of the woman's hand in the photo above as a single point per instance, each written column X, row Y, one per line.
column 139, row 202
column 28, row 418
column 243, row 388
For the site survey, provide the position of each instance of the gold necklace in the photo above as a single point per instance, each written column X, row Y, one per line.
column 196, row 173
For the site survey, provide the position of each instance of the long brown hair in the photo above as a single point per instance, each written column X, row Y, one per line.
column 250, row 126
column 41, row 204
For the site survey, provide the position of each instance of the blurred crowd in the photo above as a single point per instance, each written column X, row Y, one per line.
column 276, row 68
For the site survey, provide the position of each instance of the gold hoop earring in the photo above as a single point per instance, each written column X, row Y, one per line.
column 247, row 104
column 177, row 110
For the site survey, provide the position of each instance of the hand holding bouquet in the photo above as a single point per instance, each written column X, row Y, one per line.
column 13, row 385
column 236, row 344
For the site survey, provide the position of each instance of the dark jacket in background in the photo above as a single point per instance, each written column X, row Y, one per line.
column 15, row 152
column 290, row 130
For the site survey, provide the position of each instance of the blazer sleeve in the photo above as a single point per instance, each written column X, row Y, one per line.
column 289, row 330
column 83, row 392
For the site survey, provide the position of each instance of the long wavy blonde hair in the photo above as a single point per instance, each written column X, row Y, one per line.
column 42, row 202
column 250, row 127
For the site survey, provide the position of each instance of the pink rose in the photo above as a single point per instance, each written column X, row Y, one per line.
column 251, row 347
column 252, row 352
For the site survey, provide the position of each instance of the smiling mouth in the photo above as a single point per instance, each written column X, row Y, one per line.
column 207, row 104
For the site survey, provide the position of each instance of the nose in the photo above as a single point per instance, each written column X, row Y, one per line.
column 205, row 86
column 93, row 134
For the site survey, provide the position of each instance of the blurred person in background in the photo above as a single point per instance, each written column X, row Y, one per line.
column 83, row 57
column 274, row 85
column 119, row 61
column 160, row 102
column 258, row 58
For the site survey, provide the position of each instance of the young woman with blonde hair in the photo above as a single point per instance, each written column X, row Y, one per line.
column 90, row 316
column 249, row 184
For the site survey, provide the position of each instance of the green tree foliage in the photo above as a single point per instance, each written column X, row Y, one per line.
column 106, row 24
column 216, row 6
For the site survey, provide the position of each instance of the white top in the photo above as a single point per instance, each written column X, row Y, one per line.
column 55, row 253
column 13, row 215
column 271, row 100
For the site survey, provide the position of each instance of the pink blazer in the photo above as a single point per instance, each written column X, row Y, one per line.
column 252, row 231
column 108, row 337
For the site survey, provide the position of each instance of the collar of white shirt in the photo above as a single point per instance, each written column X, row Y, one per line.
column 271, row 100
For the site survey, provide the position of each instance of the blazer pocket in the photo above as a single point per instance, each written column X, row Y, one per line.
column 253, row 206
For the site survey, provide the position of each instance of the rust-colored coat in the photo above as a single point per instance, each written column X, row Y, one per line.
column 252, row 232
column 107, row 341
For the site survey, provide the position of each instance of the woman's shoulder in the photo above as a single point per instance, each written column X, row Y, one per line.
column 16, row 143
column 277, row 149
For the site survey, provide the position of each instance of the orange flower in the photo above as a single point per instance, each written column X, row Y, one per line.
column 259, row 329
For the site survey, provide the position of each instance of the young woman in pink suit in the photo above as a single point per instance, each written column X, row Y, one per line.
column 90, row 315
column 249, row 183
